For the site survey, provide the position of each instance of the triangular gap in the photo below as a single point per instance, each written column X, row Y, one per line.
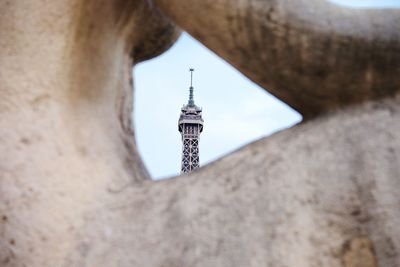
column 235, row 110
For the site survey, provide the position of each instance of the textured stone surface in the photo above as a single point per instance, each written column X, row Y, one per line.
column 297, row 198
column 73, row 190
column 311, row 54
column 358, row 252
column 66, row 134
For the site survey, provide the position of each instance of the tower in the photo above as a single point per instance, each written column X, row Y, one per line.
column 190, row 125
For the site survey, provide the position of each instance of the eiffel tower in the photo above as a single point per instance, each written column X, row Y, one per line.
column 190, row 125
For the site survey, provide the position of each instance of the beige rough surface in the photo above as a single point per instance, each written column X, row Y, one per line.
column 359, row 252
column 66, row 136
column 74, row 192
column 302, row 197
column 312, row 54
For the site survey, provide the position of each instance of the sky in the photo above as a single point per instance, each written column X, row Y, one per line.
column 235, row 110
column 367, row 3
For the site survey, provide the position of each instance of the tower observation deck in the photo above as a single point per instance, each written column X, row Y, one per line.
column 190, row 125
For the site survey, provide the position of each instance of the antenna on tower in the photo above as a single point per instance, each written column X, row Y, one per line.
column 191, row 99
column 191, row 76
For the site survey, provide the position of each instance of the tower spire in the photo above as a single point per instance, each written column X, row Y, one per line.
column 191, row 98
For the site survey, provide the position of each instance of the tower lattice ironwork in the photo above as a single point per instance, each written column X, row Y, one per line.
column 190, row 125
